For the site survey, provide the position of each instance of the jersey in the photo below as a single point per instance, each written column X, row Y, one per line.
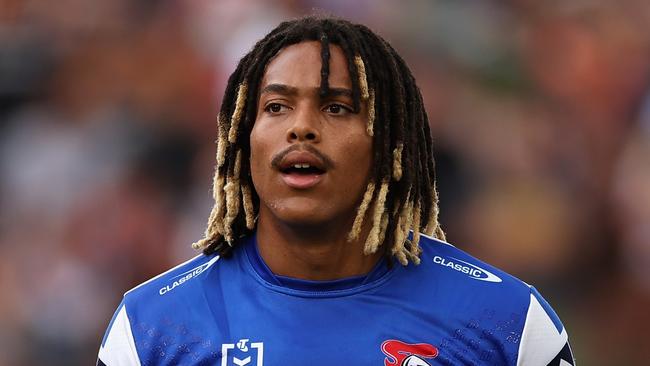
column 451, row 309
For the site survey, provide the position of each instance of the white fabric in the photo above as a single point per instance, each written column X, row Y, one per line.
column 119, row 348
column 540, row 342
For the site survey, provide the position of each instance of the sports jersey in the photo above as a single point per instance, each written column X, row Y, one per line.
column 452, row 309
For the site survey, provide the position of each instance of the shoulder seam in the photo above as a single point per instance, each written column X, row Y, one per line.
column 436, row 239
column 162, row 274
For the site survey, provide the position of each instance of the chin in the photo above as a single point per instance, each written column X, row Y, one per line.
column 302, row 217
column 302, row 211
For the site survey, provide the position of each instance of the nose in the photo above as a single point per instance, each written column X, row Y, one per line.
column 304, row 127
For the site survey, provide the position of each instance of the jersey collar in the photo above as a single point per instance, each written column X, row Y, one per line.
column 258, row 265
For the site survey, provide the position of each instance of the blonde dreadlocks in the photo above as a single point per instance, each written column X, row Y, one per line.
column 401, row 195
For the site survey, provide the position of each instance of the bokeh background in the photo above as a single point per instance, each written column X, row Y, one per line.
column 540, row 112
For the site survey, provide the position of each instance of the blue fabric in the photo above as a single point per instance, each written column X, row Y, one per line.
column 263, row 271
column 469, row 312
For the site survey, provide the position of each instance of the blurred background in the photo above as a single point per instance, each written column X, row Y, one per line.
column 540, row 112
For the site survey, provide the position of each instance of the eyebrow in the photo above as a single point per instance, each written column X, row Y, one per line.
column 279, row 89
column 335, row 92
column 290, row 90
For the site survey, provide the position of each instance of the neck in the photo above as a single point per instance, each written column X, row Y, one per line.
column 313, row 252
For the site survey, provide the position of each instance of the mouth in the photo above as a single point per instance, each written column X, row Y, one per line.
column 302, row 169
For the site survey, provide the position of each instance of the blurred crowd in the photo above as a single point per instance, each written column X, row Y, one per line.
column 540, row 112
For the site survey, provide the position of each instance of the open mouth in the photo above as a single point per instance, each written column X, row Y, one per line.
column 302, row 169
column 301, row 175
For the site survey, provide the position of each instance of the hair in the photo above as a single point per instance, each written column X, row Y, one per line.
column 401, row 193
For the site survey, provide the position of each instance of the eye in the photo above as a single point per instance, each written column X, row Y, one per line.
column 337, row 109
column 275, row 108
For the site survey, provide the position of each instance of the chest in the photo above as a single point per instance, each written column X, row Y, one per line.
column 275, row 329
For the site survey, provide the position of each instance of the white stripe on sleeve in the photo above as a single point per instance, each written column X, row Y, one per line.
column 119, row 348
column 540, row 341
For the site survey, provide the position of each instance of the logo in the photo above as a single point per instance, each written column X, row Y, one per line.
column 186, row 276
column 405, row 354
column 242, row 353
column 469, row 269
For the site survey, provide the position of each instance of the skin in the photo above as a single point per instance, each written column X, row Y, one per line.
column 302, row 232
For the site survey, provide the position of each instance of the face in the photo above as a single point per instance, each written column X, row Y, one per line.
column 310, row 154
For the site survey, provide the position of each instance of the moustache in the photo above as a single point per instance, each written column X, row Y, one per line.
column 277, row 158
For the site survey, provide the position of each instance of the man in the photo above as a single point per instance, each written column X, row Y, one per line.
column 313, row 252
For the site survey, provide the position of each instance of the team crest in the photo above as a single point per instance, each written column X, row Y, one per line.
column 405, row 354
column 242, row 353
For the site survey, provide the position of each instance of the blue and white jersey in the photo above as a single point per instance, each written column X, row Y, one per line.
column 452, row 309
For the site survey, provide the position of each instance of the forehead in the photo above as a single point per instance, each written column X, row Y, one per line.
column 299, row 65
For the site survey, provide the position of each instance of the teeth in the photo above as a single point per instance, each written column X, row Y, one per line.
column 299, row 166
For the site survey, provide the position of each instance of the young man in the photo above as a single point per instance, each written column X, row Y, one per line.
column 313, row 253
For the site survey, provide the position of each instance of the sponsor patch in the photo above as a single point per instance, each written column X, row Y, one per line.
column 186, row 276
column 471, row 270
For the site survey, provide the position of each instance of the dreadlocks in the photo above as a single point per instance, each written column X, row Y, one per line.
column 401, row 193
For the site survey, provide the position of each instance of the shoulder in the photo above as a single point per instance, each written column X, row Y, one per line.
column 535, row 326
column 446, row 263
column 168, row 281
column 467, row 287
column 170, row 292
column 169, row 298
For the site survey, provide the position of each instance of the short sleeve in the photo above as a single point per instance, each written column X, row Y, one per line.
column 544, row 340
column 118, row 345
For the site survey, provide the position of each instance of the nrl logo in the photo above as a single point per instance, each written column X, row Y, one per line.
column 242, row 353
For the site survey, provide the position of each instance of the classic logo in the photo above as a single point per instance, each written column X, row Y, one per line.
column 186, row 276
column 242, row 353
column 471, row 270
column 405, row 354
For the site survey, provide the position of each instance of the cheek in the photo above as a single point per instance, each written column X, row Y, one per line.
column 259, row 152
column 357, row 153
column 362, row 144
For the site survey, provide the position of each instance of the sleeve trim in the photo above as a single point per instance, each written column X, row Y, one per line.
column 119, row 348
column 541, row 340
